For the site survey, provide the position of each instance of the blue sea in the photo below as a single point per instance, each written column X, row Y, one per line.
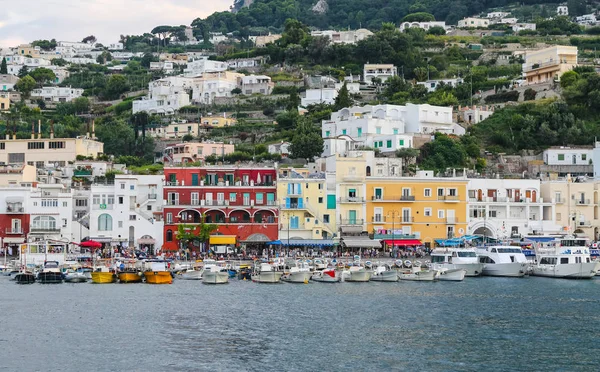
column 480, row 324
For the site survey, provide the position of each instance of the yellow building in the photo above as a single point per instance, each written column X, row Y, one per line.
column 4, row 102
column 421, row 208
column 28, row 50
column 305, row 211
column 47, row 151
column 217, row 121
column 546, row 64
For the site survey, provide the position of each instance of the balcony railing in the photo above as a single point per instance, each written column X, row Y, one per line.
column 451, row 220
column 152, row 196
column 378, row 219
column 14, row 209
column 583, row 202
column 351, row 199
column 407, row 198
column 394, row 236
column 352, row 222
column 13, row 231
column 585, row 223
column 449, row 198
column 559, row 201
column 407, row 220
column 44, row 229
column 536, row 66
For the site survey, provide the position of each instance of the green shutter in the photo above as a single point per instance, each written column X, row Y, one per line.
column 331, row 204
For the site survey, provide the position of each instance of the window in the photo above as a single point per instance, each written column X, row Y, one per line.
column 2, row 146
column 320, row 200
column 56, row 145
column 169, row 235
column 110, row 199
column 149, row 207
column 561, row 156
column 440, row 213
column 104, row 222
column 122, row 186
column 35, row 145
column 120, row 200
column 427, row 212
column 169, row 217
column 359, row 132
column 259, row 198
column 401, row 142
column 343, row 131
column 583, row 156
column 378, row 130
column 492, row 214
column 16, row 157
column 64, row 204
column 389, row 144
column 120, row 224
column 326, row 218
column 44, row 223
column 81, row 202
column 49, row 203
column 320, row 186
column 440, row 192
column 327, row 133
column 427, row 193
column 232, row 196
column 132, row 217
column 131, row 187
column 558, row 216
column 395, row 130
column 39, row 164
column 452, row 192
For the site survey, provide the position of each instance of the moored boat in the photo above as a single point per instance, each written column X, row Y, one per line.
column 215, row 273
column 570, row 258
column 501, row 260
column 76, row 276
column 25, row 277
column 50, row 273
column 457, row 258
column 448, row 274
column 356, row 272
column 415, row 273
column 157, row 272
column 266, row 273
column 130, row 276
column 384, row 273
column 326, row 276
column 103, row 276
column 296, row 272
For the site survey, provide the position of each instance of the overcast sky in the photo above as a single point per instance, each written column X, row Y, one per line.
column 71, row 20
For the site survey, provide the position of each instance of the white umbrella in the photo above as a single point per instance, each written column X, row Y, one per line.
column 258, row 180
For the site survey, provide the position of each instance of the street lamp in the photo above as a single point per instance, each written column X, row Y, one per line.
column 393, row 214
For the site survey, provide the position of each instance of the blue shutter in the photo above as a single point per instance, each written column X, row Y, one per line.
column 290, row 188
column 300, row 202
column 287, row 203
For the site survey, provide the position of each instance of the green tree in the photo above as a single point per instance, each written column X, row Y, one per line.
column 195, row 235
column 294, row 32
column 42, row 75
column 442, row 153
column 307, row 142
column 3, row 67
column 418, row 17
column 24, row 71
column 408, row 155
column 59, row 62
column 116, row 85
column 529, row 94
column 140, row 122
column 437, row 31
column 568, row 79
column 442, row 98
column 294, row 101
column 162, row 32
column 343, row 99
column 25, row 85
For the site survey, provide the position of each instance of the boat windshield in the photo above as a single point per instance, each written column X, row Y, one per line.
column 573, row 243
column 509, row 250
column 467, row 254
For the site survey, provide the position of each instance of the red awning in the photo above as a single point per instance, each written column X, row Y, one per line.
column 403, row 242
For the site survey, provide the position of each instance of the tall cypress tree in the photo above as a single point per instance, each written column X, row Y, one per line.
column 3, row 67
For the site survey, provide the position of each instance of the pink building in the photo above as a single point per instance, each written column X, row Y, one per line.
column 189, row 152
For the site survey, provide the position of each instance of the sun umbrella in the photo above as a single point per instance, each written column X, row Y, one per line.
column 90, row 244
column 258, row 179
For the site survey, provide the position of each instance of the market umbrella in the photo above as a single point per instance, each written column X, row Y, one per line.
column 90, row 244
column 258, row 179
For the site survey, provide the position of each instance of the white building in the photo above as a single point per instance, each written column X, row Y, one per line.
column 568, row 156
column 165, row 96
column 523, row 26
column 260, row 84
column 344, row 37
column 50, row 208
column 115, row 46
column 282, row 148
column 472, row 22
column 326, row 95
column 587, row 19
column 78, row 46
column 432, row 85
column 507, row 21
column 379, row 71
column 509, row 208
column 475, row 114
column 7, row 82
column 167, row 67
column 422, row 25
column 217, row 37
column 214, row 85
column 128, row 213
column 204, row 65
column 562, row 10
column 496, row 15
column 57, row 94
column 243, row 63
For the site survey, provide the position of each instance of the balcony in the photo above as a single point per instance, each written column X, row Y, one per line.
column 583, row 202
column 351, row 199
column 44, row 229
column 559, row 201
column 14, row 209
column 378, row 219
column 14, row 231
column 449, row 198
column 407, row 220
column 584, row 224
column 407, row 198
column 352, row 222
column 351, row 178
column 537, row 66
column 152, row 196
column 451, row 220
column 395, row 236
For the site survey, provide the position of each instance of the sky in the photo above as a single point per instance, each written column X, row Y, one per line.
column 71, row 20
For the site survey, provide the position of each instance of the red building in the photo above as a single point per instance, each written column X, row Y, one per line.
column 241, row 201
column 14, row 218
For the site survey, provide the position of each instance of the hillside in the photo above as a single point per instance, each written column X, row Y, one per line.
column 342, row 14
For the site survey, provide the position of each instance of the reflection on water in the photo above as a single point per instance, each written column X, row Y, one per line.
column 480, row 324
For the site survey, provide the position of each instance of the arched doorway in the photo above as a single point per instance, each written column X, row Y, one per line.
column 484, row 231
column 131, row 236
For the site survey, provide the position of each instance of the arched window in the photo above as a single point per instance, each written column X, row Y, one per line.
column 368, row 171
column 169, row 235
column 105, row 222
column 44, row 223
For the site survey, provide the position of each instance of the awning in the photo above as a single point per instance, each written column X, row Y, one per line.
column 403, row 242
column 540, row 239
column 222, row 239
column 13, row 240
column 352, row 229
column 14, row 199
column 361, row 242
column 304, row 242
column 146, row 240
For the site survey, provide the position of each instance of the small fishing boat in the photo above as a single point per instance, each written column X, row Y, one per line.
column 191, row 274
column 214, row 273
column 296, row 272
column 50, row 273
column 157, row 272
column 25, row 277
column 326, row 276
column 102, row 275
column 448, row 274
column 384, row 273
column 130, row 276
column 266, row 273
column 76, row 276
column 245, row 272
column 356, row 272
column 415, row 273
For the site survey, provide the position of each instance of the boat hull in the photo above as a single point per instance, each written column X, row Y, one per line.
column 511, row 269
column 76, row 278
column 267, row 277
column 473, row 269
column 158, row 277
column 100, row 277
column 130, row 277
column 419, row 276
column 297, row 277
column 358, row 276
column 385, row 276
column 452, row 275
column 50, row 277
column 325, row 277
column 574, row 271
column 215, row 278
column 25, row 278
column 191, row 275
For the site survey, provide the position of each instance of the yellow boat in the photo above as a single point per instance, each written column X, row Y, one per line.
column 130, row 277
column 158, row 277
column 103, row 277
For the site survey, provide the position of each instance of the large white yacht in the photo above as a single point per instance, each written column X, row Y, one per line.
column 500, row 260
column 569, row 258
column 457, row 258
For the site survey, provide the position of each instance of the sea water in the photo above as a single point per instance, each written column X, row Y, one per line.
column 480, row 324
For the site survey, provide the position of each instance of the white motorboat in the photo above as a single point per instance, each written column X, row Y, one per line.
column 415, row 273
column 568, row 259
column 501, row 260
column 266, row 273
column 457, row 258
column 76, row 276
column 357, row 271
column 296, row 272
column 449, row 274
column 326, row 276
column 191, row 274
column 384, row 273
column 215, row 273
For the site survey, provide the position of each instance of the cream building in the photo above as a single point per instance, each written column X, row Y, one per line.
column 379, row 71
column 4, row 101
column 576, row 209
column 546, row 64
column 47, row 151
column 472, row 22
column 17, row 175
